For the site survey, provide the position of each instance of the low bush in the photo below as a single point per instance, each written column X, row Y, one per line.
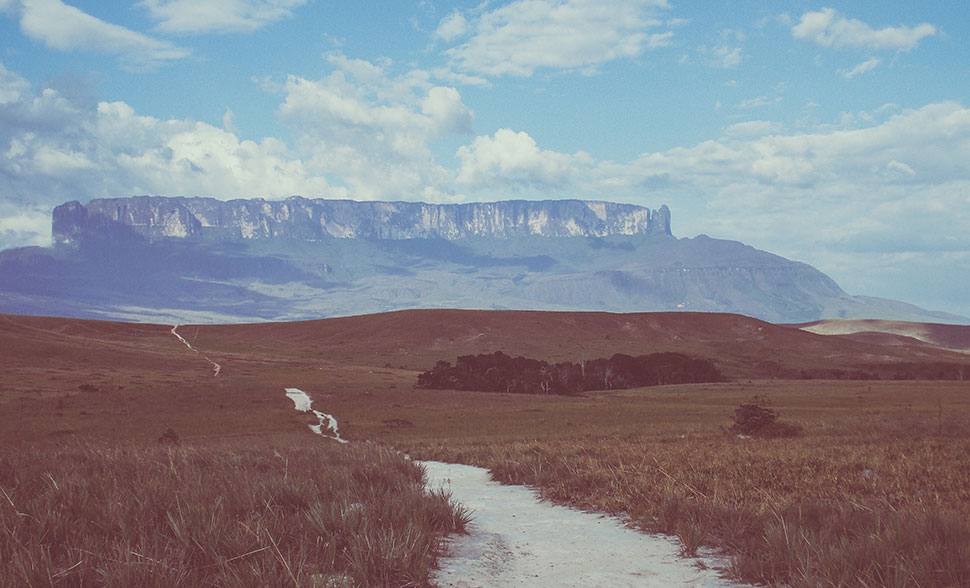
column 757, row 420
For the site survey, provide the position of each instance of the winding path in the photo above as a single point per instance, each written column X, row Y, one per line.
column 303, row 404
column 216, row 368
column 517, row 541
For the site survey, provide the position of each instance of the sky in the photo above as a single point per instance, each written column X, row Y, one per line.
column 833, row 133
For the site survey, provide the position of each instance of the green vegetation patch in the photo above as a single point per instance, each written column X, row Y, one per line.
column 497, row 372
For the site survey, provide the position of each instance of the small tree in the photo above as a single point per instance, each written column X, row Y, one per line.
column 750, row 419
column 757, row 420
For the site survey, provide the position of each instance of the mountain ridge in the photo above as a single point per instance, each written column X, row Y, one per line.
column 171, row 259
column 208, row 219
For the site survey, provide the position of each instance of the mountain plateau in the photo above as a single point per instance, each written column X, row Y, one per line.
column 204, row 260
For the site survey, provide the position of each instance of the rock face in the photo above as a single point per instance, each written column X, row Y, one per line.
column 207, row 219
column 204, row 260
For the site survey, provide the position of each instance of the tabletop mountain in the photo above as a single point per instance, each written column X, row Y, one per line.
column 201, row 259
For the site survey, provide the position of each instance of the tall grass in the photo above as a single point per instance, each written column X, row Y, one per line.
column 245, row 513
column 808, row 512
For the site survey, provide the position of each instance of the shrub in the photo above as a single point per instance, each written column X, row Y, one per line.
column 758, row 420
column 169, row 437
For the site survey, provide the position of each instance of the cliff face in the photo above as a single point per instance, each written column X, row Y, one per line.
column 170, row 259
column 207, row 219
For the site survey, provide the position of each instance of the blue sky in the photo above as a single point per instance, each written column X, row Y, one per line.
column 834, row 133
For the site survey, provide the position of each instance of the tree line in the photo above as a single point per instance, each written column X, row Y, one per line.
column 498, row 372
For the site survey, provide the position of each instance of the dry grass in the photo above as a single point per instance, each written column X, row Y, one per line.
column 860, row 499
column 296, row 512
column 875, row 492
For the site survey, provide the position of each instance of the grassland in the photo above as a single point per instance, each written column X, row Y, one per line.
column 865, row 497
column 874, row 492
column 284, row 512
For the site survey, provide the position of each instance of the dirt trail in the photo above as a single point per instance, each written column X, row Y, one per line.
column 303, row 404
column 515, row 540
column 216, row 368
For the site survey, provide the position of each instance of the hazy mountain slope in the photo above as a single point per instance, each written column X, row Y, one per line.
column 203, row 260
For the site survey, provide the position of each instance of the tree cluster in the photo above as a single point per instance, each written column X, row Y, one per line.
column 498, row 372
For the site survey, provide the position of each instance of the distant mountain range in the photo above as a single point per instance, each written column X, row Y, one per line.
column 205, row 260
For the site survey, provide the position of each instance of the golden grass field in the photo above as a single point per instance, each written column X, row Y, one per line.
column 874, row 492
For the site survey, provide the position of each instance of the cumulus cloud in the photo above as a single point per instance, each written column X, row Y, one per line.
column 66, row 28
column 819, row 196
column 373, row 129
column 218, row 16
column 828, row 28
column 54, row 149
column 12, row 86
column 513, row 158
column 518, row 38
column 24, row 225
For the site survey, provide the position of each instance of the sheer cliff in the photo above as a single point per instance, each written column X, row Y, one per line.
column 207, row 219
column 200, row 259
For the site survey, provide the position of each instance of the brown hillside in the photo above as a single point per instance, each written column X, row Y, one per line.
column 415, row 339
column 68, row 377
column 952, row 337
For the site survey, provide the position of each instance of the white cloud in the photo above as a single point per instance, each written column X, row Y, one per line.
column 229, row 122
column 727, row 57
column 759, row 101
column 218, row 16
column 53, row 149
column 752, row 128
column 452, row 26
column 519, row 38
column 658, row 40
column 12, row 86
column 510, row 157
column 23, row 225
column 862, row 68
column 65, row 28
column 830, row 197
column 830, row 29
column 374, row 130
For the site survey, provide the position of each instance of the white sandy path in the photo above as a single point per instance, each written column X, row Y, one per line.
column 304, row 404
column 216, row 368
column 515, row 540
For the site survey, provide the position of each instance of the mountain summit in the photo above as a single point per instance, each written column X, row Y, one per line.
column 207, row 219
column 204, row 260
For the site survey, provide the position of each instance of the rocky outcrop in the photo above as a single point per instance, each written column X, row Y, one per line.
column 207, row 219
